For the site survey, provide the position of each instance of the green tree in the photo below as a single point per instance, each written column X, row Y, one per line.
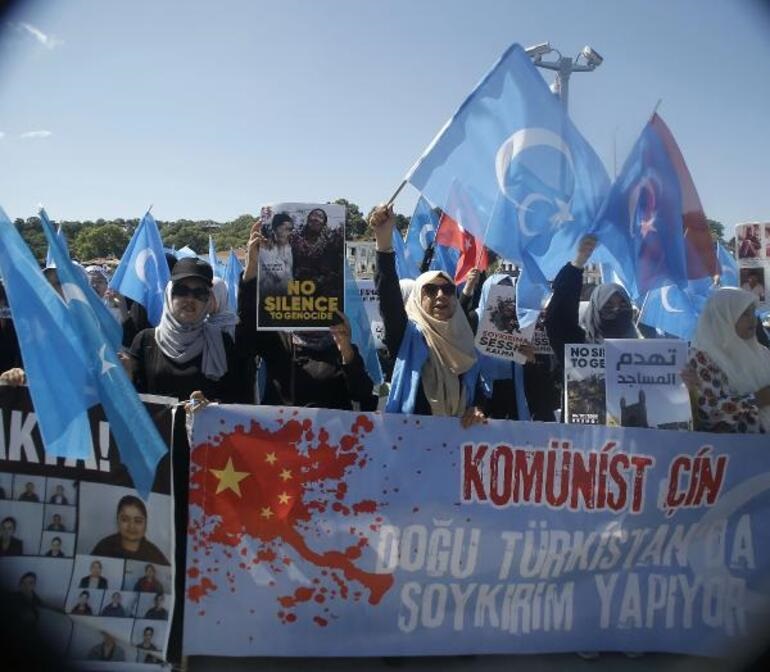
column 356, row 227
column 99, row 241
column 717, row 230
column 185, row 232
column 32, row 233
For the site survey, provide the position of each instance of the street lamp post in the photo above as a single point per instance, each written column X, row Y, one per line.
column 564, row 66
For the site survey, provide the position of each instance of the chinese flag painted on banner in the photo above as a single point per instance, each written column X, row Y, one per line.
column 472, row 251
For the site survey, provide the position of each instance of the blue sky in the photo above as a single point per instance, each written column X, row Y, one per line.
column 208, row 110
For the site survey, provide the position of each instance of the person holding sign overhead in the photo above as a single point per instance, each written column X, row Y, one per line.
column 318, row 369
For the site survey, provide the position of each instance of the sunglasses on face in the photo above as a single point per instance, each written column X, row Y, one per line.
column 183, row 291
column 431, row 291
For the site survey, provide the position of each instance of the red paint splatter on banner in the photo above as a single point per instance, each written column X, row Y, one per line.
column 272, row 490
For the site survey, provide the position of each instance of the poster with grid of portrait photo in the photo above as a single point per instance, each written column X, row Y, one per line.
column 76, row 538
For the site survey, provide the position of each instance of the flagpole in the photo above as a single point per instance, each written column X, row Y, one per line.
column 396, row 193
column 655, row 109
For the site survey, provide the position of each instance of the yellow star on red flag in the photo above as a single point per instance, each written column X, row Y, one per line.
column 229, row 478
column 266, row 512
column 285, row 475
column 284, row 498
column 270, row 458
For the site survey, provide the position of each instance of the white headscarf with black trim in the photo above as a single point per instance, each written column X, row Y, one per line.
column 745, row 362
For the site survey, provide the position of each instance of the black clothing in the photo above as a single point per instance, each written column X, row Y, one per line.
column 157, row 374
column 562, row 317
column 58, row 499
column 101, row 584
column 28, row 497
column 115, row 611
column 10, row 354
column 15, row 547
column 136, row 322
column 303, row 376
column 156, row 614
column 111, row 547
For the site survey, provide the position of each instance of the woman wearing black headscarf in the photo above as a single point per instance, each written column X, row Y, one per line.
column 609, row 313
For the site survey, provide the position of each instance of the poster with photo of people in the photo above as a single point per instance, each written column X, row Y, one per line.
column 584, row 384
column 300, row 281
column 752, row 250
column 498, row 334
column 87, row 560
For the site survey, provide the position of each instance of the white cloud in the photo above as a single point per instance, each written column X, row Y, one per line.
column 47, row 41
column 35, row 134
column 2, row 135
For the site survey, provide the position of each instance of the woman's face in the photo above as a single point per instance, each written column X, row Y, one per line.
column 189, row 300
column 149, row 572
column 98, row 283
column 282, row 233
column 131, row 524
column 746, row 326
column 96, row 569
column 82, row 599
column 439, row 299
column 316, row 221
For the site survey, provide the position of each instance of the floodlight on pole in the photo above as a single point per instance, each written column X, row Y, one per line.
column 564, row 66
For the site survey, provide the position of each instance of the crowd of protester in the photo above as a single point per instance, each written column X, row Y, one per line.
column 201, row 346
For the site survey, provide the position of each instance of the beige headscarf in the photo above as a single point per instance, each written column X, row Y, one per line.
column 745, row 362
column 451, row 351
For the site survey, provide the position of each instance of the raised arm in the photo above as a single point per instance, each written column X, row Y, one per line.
column 562, row 315
column 392, row 310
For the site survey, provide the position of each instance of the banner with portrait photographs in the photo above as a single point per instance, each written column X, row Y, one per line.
column 301, row 283
column 87, row 562
column 752, row 247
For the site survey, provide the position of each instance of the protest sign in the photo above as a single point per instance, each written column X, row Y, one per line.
column 371, row 300
column 584, row 388
column 498, row 334
column 87, row 560
column 540, row 341
column 301, row 281
column 752, row 246
column 644, row 388
column 328, row 533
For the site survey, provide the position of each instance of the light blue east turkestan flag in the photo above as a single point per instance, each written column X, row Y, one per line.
column 49, row 261
column 213, row 261
column 361, row 327
column 137, row 438
column 143, row 274
column 728, row 267
column 399, row 250
column 110, row 327
column 232, row 277
column 60, row 384
column 535, row 184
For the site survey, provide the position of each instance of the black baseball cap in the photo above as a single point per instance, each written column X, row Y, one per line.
column 192, row 267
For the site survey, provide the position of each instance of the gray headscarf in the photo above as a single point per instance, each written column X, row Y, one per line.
column 184, row 342
column 595, row 328
column 222, row 316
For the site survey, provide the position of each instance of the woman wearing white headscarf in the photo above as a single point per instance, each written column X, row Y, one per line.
column 436, row 369
column 732, row 369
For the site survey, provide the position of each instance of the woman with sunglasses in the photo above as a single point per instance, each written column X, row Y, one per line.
column 436, row 370
column 187, row 352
